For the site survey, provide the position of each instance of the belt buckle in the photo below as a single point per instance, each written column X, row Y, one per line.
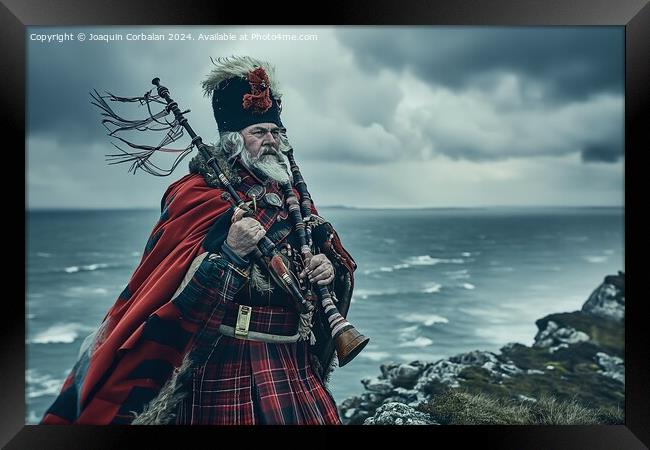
column 243, row 321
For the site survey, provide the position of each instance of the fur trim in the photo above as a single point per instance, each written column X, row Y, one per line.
column 162, row 409
column 198, row 165
column 258, row 279
column 238, row 66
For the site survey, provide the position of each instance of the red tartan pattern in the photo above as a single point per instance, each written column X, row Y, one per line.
column 146, row 334
column 250, row 383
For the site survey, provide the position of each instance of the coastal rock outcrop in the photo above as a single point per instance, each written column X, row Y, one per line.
column 576, row 358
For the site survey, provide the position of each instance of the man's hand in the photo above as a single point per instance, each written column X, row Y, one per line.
column 319, row 270
column 244, row 235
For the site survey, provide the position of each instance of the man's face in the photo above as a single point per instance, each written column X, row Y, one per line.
column 262, row 155
column 261, row 138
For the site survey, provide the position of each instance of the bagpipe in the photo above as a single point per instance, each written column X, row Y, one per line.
column 347, row 339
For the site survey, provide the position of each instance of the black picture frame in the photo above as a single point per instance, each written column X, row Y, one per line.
column 634, row 15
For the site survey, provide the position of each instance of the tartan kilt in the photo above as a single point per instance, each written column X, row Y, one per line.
column 247, row 382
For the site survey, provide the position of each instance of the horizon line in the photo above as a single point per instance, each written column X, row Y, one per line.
column 145, row 208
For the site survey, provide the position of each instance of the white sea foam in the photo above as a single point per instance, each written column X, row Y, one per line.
column 415, row 261
column 32, row 419
column 408, row 333
column 458, row 274
column 363, row 294
column 89, row 267
column 469, row 286
column 595, row 259
column 30, row 316
column 431, row 288
column 44, row 255
column 426, row 260
column 39, row 385
column 466, row 254
column 420, row 341
column 375, row 356
column 426, row 319
column 60, row 333
column 82, row 291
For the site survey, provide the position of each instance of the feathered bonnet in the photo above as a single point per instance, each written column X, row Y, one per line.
column 244, row 91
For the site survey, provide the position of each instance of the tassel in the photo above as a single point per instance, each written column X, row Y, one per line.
column 304, row 328
column 115, row 124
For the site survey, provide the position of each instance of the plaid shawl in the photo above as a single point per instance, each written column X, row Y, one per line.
column 144, row 336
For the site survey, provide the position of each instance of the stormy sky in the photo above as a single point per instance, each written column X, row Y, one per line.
column 378, row 116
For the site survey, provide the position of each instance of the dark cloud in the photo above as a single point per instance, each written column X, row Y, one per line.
column 570, row 63
column 601, row 153
column 470, row 95
column 61, row 77
column 58, row 89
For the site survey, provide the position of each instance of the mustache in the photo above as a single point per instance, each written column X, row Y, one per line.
column 270, row 151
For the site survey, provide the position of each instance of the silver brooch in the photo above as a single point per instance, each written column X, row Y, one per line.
column 273, row 199
column 256, row 190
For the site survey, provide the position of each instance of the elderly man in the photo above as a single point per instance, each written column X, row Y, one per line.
column 204, row 332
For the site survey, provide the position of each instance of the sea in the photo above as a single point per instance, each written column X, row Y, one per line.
column 430, row 283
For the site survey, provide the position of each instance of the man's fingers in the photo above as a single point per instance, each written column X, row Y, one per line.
column 315, row 261
column 323, row 272
column 320, row 270
column 327, row 280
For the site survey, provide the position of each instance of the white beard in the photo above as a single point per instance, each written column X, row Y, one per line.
column 268, row 167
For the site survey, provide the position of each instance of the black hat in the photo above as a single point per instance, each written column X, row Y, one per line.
column 244, row 92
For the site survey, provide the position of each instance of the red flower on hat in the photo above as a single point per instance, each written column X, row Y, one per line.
column 260, row 97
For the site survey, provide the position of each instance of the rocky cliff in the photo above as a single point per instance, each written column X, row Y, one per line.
column 573, row 373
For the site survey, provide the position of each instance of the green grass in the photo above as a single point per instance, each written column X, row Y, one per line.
column 458, row 407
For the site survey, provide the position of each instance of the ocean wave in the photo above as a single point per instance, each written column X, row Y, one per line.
column 420, row 341
column 458, row 274
column 32, row 418
column 60, row 333
column 82, row 291
column 39, row 385
column 408, row 333
column 426, row 260
column 375, row 356
column 415, row 261
column 89, row 267
column 576, row 238
column 423, row 356
column 469, row 286
column 425, row 319
column 363, row 294
column 432, row 288
column 44, row 255
column 595, row 259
